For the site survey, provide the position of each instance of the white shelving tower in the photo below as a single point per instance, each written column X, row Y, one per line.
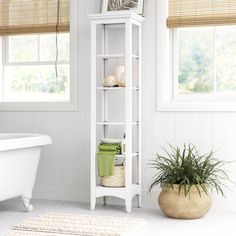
column 128, row 21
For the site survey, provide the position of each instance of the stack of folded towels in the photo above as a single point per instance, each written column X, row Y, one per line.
column 106, row 158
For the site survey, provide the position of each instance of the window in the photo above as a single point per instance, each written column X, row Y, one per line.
column 29, row 70
column 196, row 55
column 205, row 61
column 38, row 55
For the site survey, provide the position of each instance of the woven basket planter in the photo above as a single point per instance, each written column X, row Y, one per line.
column 115, row 180
column 175, row 204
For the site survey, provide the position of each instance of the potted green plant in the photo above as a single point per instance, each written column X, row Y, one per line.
column 186, row 179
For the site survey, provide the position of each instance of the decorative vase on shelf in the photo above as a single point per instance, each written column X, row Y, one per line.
column 110, row 81
column 118, row 72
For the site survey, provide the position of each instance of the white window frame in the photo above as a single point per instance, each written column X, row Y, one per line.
column 37, row 62
column 72, row 104
column 166, row 69
column 7, row 61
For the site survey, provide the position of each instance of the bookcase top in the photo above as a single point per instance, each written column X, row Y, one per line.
column 118, row 15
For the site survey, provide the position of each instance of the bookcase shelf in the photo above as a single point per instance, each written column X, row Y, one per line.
column 115, row 56
column 117, row 192
column 115, row 88
column 135, row 154
column 101, row 58
column 115, row 123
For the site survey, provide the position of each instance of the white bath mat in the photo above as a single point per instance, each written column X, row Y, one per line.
column 25, row 233
column 72, row 224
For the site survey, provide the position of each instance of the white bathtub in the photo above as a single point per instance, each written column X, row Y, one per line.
column 19, row 158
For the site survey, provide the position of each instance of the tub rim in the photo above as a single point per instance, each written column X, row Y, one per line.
column 23, row 140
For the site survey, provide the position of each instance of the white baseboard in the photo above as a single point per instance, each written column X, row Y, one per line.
column 82, row 194
column 61, row 193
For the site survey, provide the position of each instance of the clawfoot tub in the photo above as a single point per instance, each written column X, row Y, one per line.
column 19, row 158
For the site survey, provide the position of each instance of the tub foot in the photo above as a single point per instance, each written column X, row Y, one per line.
column 26, row 202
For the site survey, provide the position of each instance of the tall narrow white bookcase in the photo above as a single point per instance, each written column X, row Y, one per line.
column 116, row 37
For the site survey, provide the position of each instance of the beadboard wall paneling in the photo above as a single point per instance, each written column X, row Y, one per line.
column 64, row 167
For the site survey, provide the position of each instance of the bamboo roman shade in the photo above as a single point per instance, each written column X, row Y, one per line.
column 189, row 13
column 33, row 16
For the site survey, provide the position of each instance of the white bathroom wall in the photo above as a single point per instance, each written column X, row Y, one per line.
column 64, row 166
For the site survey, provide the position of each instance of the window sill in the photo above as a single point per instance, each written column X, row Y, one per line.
column 195, row 106
column 38, row 106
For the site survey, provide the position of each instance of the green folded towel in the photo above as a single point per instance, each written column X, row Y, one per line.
column 106, row 163
column 106, row 158
column 110, row 147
